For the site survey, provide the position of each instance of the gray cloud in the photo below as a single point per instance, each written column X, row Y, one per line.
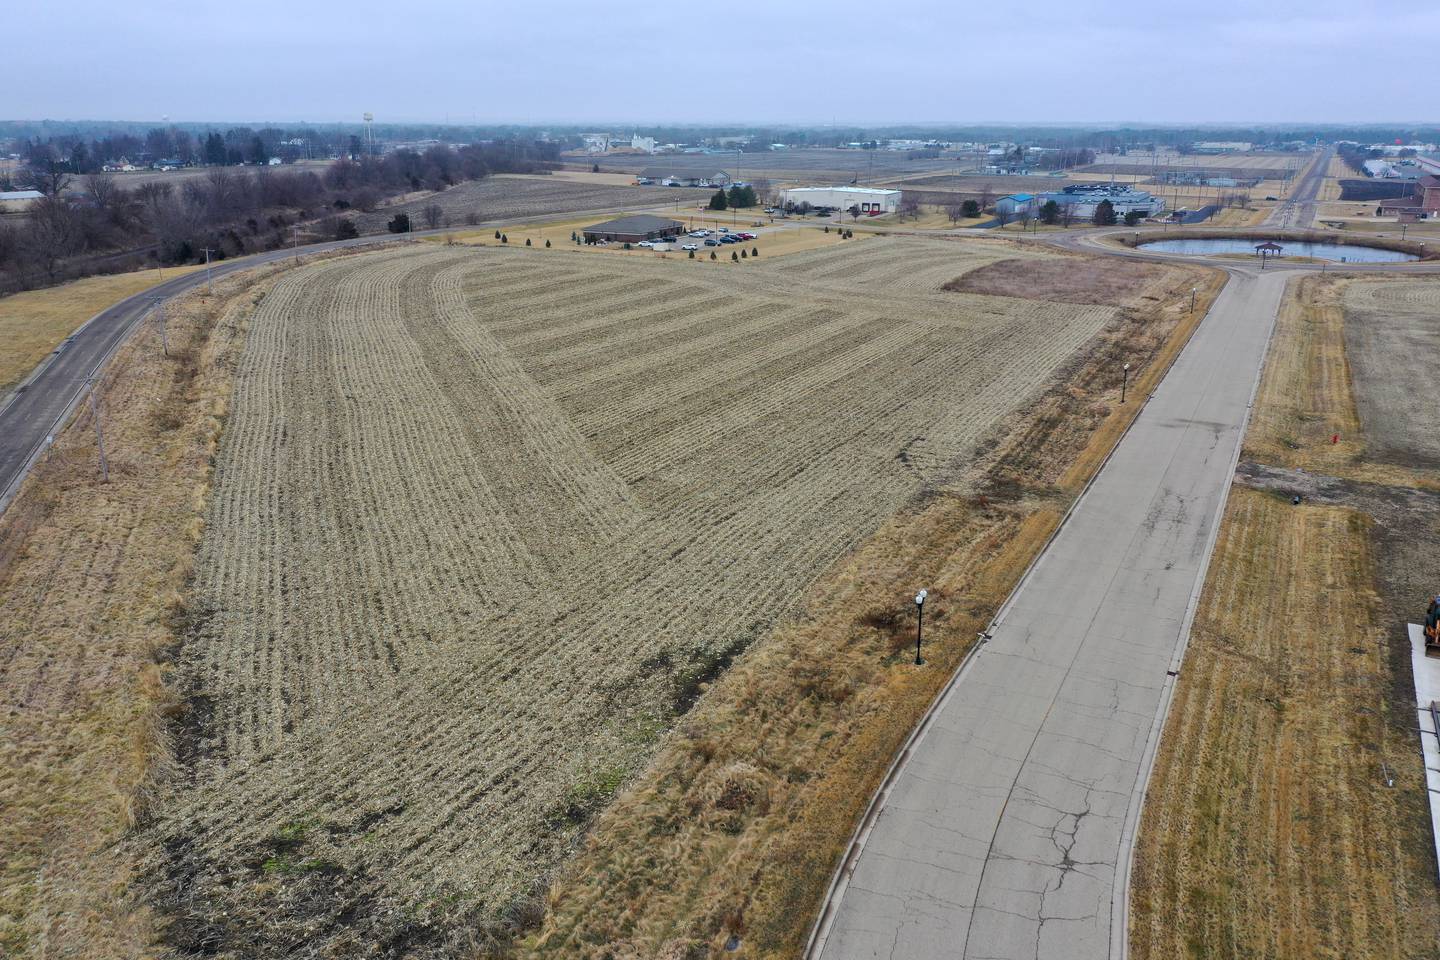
column 806, row 61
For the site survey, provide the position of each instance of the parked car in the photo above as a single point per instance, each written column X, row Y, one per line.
column 699, row 233
column 647, row 243
column 689, row 246
column 724, row 229
column 711, row 242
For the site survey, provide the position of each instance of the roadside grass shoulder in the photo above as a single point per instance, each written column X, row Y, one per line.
column 92, row 576
column 34, row 322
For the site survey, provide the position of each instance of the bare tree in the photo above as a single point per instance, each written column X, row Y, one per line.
column 1004, row 215
column 101, row 190
column 956, row 213
column 763, row 189
column 49, row 177
column 432, row 214
column 909, row 204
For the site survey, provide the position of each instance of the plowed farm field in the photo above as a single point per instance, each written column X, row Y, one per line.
column 508, row 197
column 487, row 521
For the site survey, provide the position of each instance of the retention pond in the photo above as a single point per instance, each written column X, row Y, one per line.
column 1337, row 252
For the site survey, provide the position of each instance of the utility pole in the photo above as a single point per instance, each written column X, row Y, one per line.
column 209, row 277
column 295, row 241
column 155, row 303
column 99, row 436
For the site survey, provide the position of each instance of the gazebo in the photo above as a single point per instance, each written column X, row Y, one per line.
column 1267, row 249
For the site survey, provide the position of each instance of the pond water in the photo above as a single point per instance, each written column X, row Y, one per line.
column 1338, row 252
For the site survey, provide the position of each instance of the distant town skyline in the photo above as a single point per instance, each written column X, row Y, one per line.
column 798, row 63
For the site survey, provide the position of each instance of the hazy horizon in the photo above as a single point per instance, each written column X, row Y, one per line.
column 807, row 64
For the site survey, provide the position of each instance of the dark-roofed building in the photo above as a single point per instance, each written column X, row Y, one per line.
column 1422, row 200
column 633, row 229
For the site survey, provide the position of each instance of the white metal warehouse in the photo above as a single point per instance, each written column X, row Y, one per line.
column 869, row 199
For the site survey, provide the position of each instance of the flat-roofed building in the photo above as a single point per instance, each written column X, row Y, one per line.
column 18, row 201
column 870, row 200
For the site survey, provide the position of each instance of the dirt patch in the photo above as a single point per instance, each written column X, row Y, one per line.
column 1392, row 337
column 1111, row 281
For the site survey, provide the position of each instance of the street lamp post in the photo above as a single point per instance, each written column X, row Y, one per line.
column 919, row 622
column 1193, row 291
column 1124, row 380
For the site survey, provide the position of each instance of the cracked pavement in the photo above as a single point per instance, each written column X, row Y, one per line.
column 1007, row 832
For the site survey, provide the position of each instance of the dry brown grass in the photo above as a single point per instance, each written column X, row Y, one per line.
column 1306, row 400
column 819, row 707
column 34, row 323
column 1268, row 830
column 91, row 574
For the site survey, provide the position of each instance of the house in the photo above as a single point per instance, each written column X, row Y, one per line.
column 633, row 229
column 1017, row 206
column 18, row 201
column 643, row 144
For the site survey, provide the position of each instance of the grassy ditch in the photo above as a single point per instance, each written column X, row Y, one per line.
column 91, row 580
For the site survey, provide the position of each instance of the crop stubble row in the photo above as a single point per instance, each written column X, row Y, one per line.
column 467, row 526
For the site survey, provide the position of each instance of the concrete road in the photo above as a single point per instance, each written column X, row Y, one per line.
column 1006, row 831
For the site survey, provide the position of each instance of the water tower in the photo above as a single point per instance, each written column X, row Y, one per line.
column 369, row 133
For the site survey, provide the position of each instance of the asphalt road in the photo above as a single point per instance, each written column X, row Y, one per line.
column 1298, row 210
column 34, row 411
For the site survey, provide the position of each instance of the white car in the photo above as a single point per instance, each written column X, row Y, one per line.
column 689, row 246
column 647, row 243
column 699, row 233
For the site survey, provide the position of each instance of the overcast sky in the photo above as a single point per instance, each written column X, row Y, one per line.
column 788, row 62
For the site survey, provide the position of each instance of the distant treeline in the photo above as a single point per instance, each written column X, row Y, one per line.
column 92, row 223
column 336, row 139
column 77, row 153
